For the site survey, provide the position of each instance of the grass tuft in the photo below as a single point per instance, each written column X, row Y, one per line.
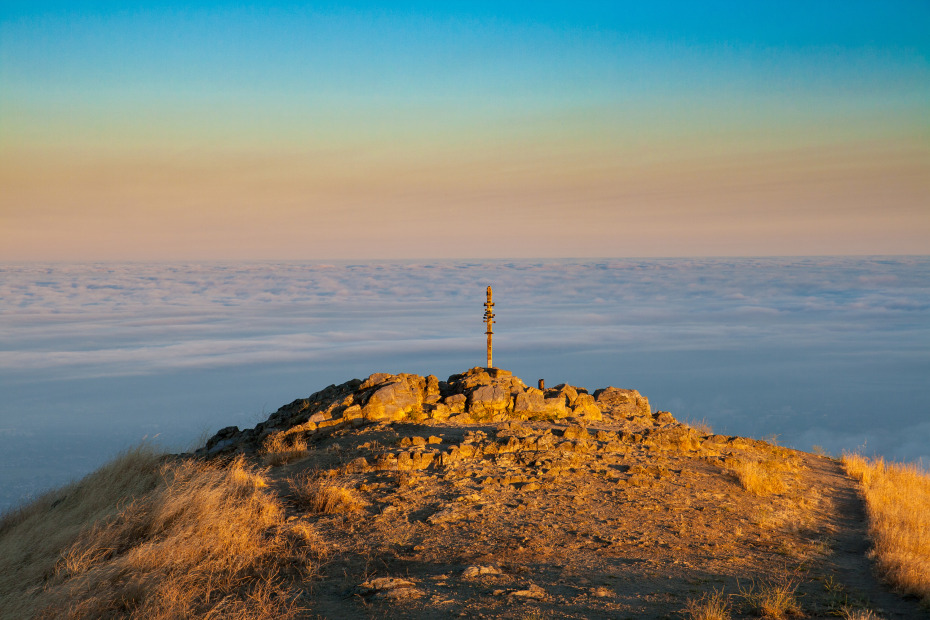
column 711, row 606
column 897, row 498
column 760, row 477
column 324, row 496
column 283, row 448
column 772, row 599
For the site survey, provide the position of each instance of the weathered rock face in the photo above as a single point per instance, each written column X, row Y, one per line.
column 623, row 402
column 478, row 395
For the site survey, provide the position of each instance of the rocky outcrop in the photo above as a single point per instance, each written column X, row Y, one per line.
column 476, row 396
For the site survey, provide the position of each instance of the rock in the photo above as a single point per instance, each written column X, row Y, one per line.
column 533, row 591
column 530, row 401
column 389, row 588
column 446, row 515
column 663, row 417
column 473, row 378
column 357, row 466
column 488, row 400
column 223, row 438
column 622, row 402
column 564, row 390
column 431, row 392
column 392, row 401
column 455, row 403
column 584, row 406
column 477, row 571
column 575, row 432
column 555, row 407
column 376, row 379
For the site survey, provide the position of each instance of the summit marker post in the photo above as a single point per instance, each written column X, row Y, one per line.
column 489, row 319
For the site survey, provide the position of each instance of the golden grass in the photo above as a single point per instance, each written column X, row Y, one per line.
column 148, row 537
column 772, row 599
column 283, row 448
column 760, row 477
column 701, row 426
column 897, row 498
column 324, row 496
column 711, row 606
column 858, row 614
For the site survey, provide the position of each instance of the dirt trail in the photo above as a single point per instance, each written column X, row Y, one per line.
column 601, row 530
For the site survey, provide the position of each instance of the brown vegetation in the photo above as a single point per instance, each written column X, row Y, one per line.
column 152, row 539
column 710, row 606
column 283, row 448
column 897, row 497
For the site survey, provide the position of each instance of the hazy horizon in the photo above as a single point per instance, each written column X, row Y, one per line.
column 386, row 130
column 820, row 351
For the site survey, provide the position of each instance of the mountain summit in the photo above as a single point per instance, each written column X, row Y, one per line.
column 477, row 496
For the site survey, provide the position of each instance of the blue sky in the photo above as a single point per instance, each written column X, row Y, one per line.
column 622, row 112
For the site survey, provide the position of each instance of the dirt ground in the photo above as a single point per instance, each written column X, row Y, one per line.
column 627, row 517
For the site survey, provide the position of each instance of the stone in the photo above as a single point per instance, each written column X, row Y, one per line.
column 455, row 403
column 575, row 432
column 392, row 401
column 353, row 412
column 533, row 591
column 431, row 392
column 621, row 402
column 389, row 588
column 358, row 466
column 376, row 379
column 564, row 390
column 584, row 406
column 488, row 400
column 663, row 417
column 477, row 571
column 530, row 401
column 555, row 406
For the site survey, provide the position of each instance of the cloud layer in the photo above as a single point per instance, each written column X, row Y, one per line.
column 827, row 351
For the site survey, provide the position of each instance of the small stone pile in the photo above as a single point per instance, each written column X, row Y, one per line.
column 478, row 395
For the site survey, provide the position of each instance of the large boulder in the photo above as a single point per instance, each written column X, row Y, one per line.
column 393, row 400
column 621, row 402
column 488, row 400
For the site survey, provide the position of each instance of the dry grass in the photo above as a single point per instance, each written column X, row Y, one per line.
column 858, row 614
column 897, row 498
column 283, row 448
column 772, row 599
column 324, row 496
column 711, row 606
column 760, row 477
column 147, row 538
column 701, row 426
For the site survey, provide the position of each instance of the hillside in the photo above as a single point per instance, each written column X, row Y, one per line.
column 410, row 497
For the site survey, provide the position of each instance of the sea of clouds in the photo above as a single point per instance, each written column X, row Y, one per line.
column 831, row 352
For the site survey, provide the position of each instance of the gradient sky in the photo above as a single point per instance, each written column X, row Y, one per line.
column 236, row 130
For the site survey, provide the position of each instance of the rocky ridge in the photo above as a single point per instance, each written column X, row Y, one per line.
column 479, row 395
column 480, row 496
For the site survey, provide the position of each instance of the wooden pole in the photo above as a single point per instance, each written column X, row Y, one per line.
column 489, row 319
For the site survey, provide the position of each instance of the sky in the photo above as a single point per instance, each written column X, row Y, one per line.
column 378, row 130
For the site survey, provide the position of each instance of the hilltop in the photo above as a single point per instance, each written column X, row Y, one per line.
column 478, row 496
